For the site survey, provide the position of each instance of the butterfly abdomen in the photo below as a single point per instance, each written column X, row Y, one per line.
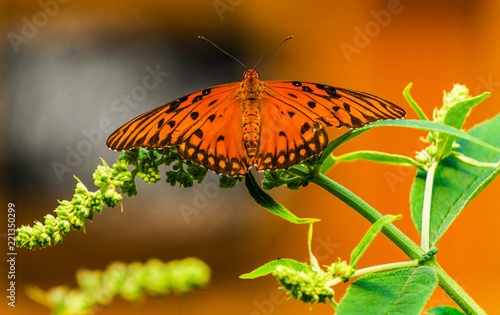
column 251, row 128
column 251, row 113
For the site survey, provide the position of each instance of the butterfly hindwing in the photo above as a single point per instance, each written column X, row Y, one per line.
column 288, row 136
column 217, row 142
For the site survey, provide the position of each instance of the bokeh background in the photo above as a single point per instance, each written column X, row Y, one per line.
column 70, row 69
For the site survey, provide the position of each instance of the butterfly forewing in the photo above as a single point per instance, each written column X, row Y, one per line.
column 294, row 114
column 170, row 124
column 203, row 126
column 332, row 106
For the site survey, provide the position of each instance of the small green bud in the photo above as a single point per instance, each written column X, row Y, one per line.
column 111, row 198
column 57, row 237
column 458, row 93
column 44, row 240
column 81, row 189
column 76, row 222
column 341, row 269
column 64, row 226
column 102, row 175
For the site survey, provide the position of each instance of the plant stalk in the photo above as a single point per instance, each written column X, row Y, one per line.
column 426, row 209
column 373, row 269
column 410, row 248
column 468, row 305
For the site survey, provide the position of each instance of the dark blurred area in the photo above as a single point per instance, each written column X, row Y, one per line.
column 73, row 71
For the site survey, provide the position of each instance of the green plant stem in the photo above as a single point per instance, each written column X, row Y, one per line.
column 426, row 210
column 372, row 269
column 468, row 305
column 412, row 250
column 409, row 247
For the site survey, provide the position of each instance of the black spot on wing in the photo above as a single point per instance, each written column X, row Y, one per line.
column 369, row 118
column 160, row 123
column 211, row 118
column 198, row 133
column 292, row 95
column 311, row 104
column 305, row 127
column 140, row 141
column 307, row 89
column 291, row 114
column 330, row 90
column 356, row 122
column 175, row 104
column 297, row 84
column 171, row 123
column 194, row 115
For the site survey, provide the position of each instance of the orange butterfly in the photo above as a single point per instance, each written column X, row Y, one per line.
column 266, row 124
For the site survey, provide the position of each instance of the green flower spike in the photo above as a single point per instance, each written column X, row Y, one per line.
column 309, row 287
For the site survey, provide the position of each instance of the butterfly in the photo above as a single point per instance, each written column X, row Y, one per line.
column 268, row 125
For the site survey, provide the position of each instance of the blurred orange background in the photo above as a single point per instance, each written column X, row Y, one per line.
column 67, row 65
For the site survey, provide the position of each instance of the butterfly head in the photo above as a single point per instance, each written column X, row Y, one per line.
column 251, row 81
column 251, row 73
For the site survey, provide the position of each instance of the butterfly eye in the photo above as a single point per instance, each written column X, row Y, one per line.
column 251, row 73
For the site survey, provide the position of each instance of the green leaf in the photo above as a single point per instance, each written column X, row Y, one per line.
column 416, row 124
column 370, row 236
column 312, row 258
column 228, row 182
column 327, row 163
column 402, row 291
column 381, row 157
column 271, row 266
column 456, row 183
column 444, row 310
column 266, row 201
column 455, row 117
column 413, row 104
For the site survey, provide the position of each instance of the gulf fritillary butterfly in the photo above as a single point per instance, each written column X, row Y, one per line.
column 269, row 125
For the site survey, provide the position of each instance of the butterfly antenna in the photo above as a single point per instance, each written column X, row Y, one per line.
column 289, row 37
column 241, row 63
